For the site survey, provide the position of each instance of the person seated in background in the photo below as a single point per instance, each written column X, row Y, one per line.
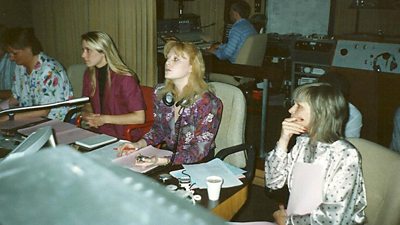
column 259, row 22
column 39, row 79
column 187, row 113
column 353, row 123
column 115, row 95
column 7, row 66
column 395, row 144
column 240, row 31
column 317, row 116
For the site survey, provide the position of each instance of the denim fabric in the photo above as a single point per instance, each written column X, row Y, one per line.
column 395, row 145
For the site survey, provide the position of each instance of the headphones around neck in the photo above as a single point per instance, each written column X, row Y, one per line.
column 169, row 100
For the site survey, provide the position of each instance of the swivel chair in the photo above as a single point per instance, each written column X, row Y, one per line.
column 149, row 117
column 381, row 168
column 230, row 139
column 251, row 54
column 75, row 74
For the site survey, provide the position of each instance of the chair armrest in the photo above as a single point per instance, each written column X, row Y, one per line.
column 145, row 126
column 249, row 154
column 74, row 112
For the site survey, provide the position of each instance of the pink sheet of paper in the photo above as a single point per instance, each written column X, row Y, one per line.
column 128, row 161
column 306, row 192
column 252, row 223
column 65, row 133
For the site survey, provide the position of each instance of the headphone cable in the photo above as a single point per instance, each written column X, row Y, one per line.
column 178, row 133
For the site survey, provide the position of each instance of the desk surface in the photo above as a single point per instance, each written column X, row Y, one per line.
column 231, row 199
column 10, row 138
column 8, row 143
column 230, row 202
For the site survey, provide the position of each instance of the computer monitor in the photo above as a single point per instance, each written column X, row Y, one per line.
column 33, row 143
column 64, row 186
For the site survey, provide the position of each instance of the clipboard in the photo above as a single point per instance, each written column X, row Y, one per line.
column 96, row 141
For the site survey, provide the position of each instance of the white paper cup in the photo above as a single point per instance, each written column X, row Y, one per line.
column 214, row 184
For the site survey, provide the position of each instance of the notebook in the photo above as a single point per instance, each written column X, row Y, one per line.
column 96, row 141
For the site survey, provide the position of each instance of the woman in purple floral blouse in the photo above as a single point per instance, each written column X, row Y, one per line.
column 186, row 112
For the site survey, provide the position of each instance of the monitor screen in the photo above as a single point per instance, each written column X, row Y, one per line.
column 303, row 17
column 33, row 143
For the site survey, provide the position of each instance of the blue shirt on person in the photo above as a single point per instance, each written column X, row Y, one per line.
column 238, row 34
column 7, row 68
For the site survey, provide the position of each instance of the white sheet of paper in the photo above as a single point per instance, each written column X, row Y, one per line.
column 306, row 192
column 215, row 167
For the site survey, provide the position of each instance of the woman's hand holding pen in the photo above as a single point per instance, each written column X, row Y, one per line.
column 128, row 148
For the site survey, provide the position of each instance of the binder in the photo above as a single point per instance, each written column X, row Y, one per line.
column 96, row 141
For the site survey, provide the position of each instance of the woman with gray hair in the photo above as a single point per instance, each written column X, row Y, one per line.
column 317, row 117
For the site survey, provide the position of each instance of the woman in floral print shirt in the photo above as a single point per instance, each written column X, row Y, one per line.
column 186, row 112
column 38, row 78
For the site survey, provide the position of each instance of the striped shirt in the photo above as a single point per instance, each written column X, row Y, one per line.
column 7, row 68
column 240, row 31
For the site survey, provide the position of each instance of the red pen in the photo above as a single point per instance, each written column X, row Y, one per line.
column 125, row 149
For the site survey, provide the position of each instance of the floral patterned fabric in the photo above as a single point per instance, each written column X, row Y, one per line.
column 344, row 195
column 198, row 125
column 47, row 83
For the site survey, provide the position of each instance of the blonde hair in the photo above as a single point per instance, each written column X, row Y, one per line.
column 329, row 111
column 102, row 43
column 196, row 85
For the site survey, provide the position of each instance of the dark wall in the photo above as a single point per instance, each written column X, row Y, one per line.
column 16, row 13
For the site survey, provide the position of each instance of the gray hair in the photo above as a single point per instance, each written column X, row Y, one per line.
column 329, row 111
